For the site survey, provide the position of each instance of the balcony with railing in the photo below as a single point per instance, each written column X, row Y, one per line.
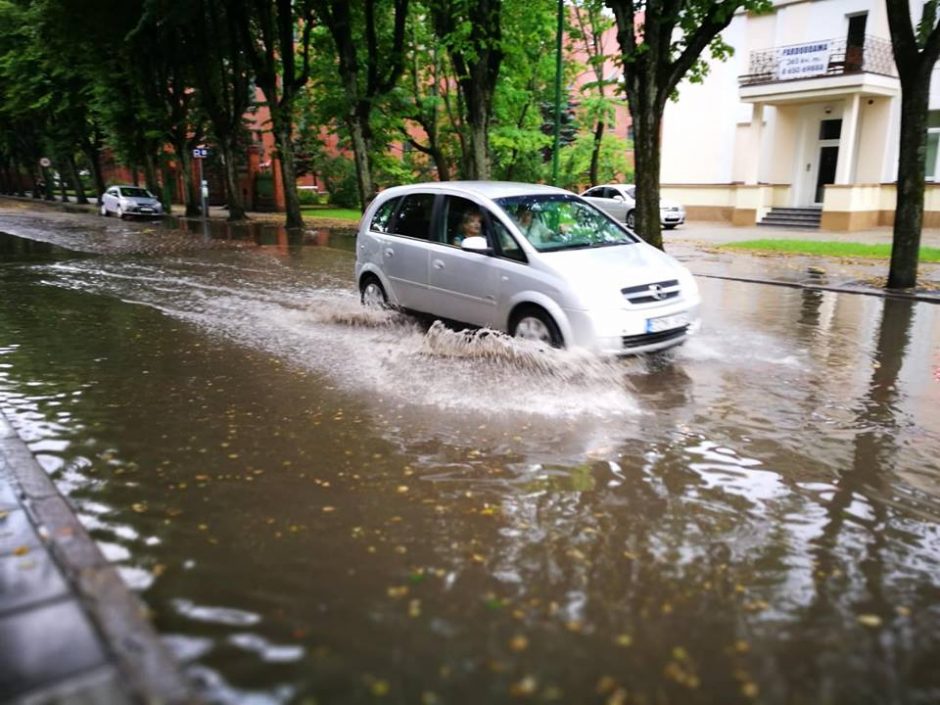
column 828, row 57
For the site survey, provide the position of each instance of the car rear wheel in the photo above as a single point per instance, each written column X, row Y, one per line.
column 631, row 220
column 372, row 294
column 120, row 213
column 532, row 323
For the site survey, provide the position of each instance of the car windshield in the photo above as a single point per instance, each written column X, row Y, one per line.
column 134, row 192
column 562, row 222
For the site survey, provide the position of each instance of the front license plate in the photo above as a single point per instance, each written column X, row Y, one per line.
column 146, row 210
column 657, row 325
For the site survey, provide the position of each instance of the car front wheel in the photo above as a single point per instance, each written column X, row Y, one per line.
column 535, row 324
column 631, row 220
column 372, row 294
column 103, row 210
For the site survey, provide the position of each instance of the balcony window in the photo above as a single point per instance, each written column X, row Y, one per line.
column 933, row 145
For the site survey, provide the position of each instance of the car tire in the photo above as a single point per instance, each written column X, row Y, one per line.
column 631, row 220
column 120, row 213
column 372, row 293
column 103, row 210
column 535, row 324
column 671, row 226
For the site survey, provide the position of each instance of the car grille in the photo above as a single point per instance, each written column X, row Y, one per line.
column 636, row 341
column 651, row 293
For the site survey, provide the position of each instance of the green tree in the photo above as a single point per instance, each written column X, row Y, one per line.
column 661, row 42
column 369, row 47
column 275, row 36
column 915, row 53
column 471, row 32
column 599, row 105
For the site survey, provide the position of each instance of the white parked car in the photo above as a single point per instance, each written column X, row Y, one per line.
column 128, row 201
column 535, row 261
column 620, row 201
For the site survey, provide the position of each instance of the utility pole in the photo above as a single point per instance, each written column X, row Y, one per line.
column 558, row 36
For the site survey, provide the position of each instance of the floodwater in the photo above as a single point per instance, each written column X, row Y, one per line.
column 325, row 505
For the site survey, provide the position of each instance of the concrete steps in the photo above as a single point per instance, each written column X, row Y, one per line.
column 807, row 218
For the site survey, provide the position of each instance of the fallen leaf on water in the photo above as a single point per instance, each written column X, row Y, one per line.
column 414, row 609
column 518, row 643
column 624, row 640
column 525, row 687
column 21, row 550
column 396, row 592
column 139, row 507
column 380, row 688
column 869, row 620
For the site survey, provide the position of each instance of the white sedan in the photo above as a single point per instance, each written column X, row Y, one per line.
column 619, row 200
column 127, row 201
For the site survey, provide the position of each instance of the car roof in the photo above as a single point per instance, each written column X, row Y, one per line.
column 483, row 189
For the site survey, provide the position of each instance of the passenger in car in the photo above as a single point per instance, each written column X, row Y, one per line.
column 471, row 225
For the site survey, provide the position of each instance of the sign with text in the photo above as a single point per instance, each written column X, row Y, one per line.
column 200, row 153
column 802, row 61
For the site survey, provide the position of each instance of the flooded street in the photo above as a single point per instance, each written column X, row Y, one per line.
column 321, row 504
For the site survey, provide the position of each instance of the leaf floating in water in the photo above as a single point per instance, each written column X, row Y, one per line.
column 870, row 620
column 379, row 688
column 139, row 507
column 518, row 643
column 524, row 688
column 21, row 550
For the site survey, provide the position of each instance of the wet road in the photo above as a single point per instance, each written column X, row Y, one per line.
column 324, row 505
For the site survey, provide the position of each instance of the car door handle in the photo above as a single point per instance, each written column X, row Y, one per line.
column 438, row 264
column 389, row 252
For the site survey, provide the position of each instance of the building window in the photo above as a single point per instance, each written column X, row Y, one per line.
column 933, row 143
column 830, row 129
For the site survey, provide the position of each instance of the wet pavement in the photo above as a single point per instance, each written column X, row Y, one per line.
column 320, row 504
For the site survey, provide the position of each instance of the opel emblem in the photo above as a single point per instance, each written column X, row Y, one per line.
column 656, row 291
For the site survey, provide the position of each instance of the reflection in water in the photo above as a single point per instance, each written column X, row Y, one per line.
column 323, row 503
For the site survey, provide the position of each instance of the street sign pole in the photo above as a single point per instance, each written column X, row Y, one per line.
column 199, row 154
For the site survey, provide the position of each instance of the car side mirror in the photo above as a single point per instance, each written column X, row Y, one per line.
column 475, row 243
column 618, row 198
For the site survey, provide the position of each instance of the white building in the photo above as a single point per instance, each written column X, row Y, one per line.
column 805, row 115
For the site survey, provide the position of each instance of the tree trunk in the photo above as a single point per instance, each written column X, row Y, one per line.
column 646, row 126
column 596, row 152
column 150, row 174
column 285, row 151
column 80, row 196
column 48, row 186
column 479, row 151
column 909, row 213
column 236, row 206
column 94, row 159
column 361, row 155
column 63, row 191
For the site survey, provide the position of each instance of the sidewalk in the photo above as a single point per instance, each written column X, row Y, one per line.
column 69, row 628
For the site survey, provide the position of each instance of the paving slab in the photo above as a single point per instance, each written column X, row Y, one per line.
column 46, row 646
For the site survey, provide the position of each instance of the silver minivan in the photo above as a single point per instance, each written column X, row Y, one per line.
column 534, row 261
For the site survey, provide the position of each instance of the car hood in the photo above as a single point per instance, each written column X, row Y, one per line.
column 610, row 269
column 669, row 203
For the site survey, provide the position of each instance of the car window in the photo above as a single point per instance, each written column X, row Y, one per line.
column 414, row 216
column 593, row 193
column 461, row 218
column 564, row 222
column 631, row 191
column 383, row 216
column 135, row 192
column 508, row 247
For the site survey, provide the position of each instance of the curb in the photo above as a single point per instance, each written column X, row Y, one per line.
column 137, row 667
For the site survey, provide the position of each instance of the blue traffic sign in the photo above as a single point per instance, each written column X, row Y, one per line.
column 200, row 152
